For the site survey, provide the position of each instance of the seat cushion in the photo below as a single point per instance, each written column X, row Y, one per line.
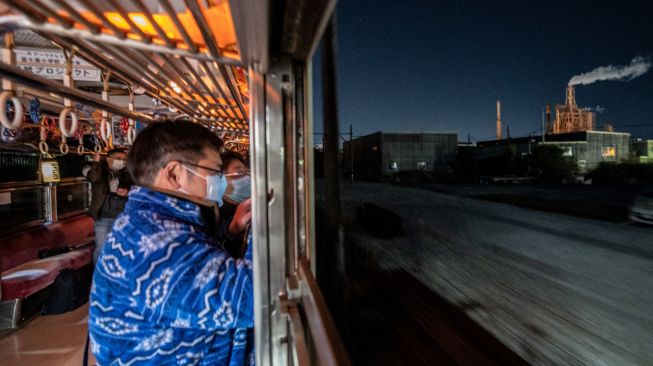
column 35, row 275
column 23, row 247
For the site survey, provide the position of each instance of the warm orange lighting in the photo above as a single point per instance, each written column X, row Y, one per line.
column 175, row 87
column 140, row 20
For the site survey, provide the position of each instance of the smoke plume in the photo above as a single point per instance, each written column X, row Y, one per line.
column 638, row 67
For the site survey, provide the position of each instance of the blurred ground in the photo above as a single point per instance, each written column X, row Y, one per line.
column 609, row 202
column 556, row 289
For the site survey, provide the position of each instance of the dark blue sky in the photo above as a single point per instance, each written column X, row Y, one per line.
column 441, row 65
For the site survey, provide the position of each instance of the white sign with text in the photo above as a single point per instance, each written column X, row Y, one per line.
column 51, row 64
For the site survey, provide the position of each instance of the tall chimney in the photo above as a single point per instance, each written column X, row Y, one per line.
column 571, row 96
column 498, row 120
column 548, row 117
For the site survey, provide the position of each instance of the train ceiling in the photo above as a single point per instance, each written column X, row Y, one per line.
column 183, row 53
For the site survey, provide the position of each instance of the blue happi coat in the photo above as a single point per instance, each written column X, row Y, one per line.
column 166, row 293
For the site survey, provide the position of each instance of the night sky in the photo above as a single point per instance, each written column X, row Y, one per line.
column 411, row 66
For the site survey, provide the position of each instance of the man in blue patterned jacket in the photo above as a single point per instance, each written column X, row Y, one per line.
column 165, row 292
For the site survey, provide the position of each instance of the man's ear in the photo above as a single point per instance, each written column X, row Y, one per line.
column 170, row 175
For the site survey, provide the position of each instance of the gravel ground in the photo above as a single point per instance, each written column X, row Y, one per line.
column 558, row 290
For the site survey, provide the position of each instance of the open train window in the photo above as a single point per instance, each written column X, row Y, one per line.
column 21, row 207
column 72, row 198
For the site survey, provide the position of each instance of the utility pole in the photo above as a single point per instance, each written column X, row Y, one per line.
column 543, row 130
column 351, row 152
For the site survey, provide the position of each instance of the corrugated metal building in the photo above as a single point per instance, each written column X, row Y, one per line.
column 642, row 150
column 588, row 148
column 381, row 154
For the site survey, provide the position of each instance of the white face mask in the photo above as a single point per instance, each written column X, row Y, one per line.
column 117, row 164
column 238, row 189
column 215, row 186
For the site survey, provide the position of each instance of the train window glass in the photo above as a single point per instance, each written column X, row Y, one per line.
column 18, row 167
column 20, row 206
column 70, row 165
column 72, row 198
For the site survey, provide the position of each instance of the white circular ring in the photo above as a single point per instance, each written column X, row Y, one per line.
column 105, row 130
column 18, row 111
column 63, row 148
column 80, row 149
column 43, row 147
column 62, row 122
column 131, row 134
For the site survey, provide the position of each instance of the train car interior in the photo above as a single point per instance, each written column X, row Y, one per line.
column 82, row 77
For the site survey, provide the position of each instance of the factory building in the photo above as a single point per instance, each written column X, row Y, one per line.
column 587, row 148
column 383, row 154
column 642, row 150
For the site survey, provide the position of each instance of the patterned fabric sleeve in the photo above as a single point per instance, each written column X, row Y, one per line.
column 194, row 285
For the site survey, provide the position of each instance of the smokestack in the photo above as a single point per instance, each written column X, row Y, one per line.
column 548, row 117
column 571, row 96
column 498, row 120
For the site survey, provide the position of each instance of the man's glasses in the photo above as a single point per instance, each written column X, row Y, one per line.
column 217, row 172
column 240, row 173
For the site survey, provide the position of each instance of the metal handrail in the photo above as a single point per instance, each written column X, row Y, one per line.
column 71, row 25
column 28, row 79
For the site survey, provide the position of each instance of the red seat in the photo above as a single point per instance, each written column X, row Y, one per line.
column 23, row 274
column 28, row 278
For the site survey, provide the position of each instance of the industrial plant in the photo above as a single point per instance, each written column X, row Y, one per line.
column 573, row 130
column 571, row 118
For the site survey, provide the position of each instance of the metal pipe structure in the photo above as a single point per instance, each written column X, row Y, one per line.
column 178, row 72
column 205, row 86
column 93, row 28
column 234, row 93
column 207, row 70
column 101, row 62
column 30, row 12
column 207, row 35
column 105, row 21
column 180, row 27
column 130, row 60
column 30, row 80
column 136, row 68
column 212, row 46
column 139, row 4
column 191, row 88
column 37, row 13
column 123, row 14
column 42, row 8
